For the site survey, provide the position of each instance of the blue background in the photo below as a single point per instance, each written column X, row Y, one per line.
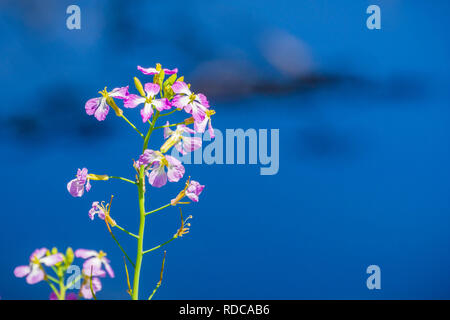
column 364, row 153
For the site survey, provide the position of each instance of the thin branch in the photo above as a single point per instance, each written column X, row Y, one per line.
column 123, row 179
column 133, row 126
column 157, row 247
column 127, row 232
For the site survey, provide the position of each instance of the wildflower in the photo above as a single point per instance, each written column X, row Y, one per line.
column 157, row 70
column 200, row 126
column 76, row 186
column 99, row 107
column 85, row 289
column 102, row 211
column 151, row 90
column 95, row 261
column 156, row 162
column 183, row 144
column 192, row 190
column 195, row 104
column 69, row 296
column 34, row 270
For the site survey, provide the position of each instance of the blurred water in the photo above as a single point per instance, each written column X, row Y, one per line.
column 363, row 177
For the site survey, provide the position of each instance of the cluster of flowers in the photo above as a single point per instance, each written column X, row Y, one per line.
column 92, row 271
column 161, row 97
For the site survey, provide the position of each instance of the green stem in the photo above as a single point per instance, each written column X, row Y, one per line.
column 121, row 248
column 157, row 247
column 127, row 232
column 69, row 285
column 62, row 289
column 141, row 196
column 170, row 125
column 53, row 288
column 133, row 126
column 123, row 179
column 160, row 208
column 168, row 113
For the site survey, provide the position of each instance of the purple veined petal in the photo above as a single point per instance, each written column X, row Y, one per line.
column 52, row 260
column 38, row 253
column 203, row 100
column 85, row 254
column 132, row 101
column 181, row 87
column 22, row 271
column 108, row 267
column 191, row 143
column 82, row 175
column 150, row 71
column 146, row 112
column 194, row 189
column 92, row 213
column 170, row 72
column 75, row 188
column 162, row 104
column 102, row 110
column 200, row 126
column 151, row 89
column 175, row 171
column 36, row 275
column 147, row 157
column 119, row 93
column 197, row 113
column 180, row 102
column 158, row 177
column 92, row 105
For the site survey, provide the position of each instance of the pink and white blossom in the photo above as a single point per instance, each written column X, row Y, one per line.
column 97, row 209
column 33, row 271
column 153, row 71
column 76, row 186
column 200, row 126
column 195, row 104
column 193, row 190
column 151, row 90
column 99, row 108
column 183, row 143
column 94, row 263
column 156, row 164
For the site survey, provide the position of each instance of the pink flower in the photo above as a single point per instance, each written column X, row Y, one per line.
column 156, row 162
column 193, row 190
column 69, row 296
column 97, row 209
column 157, row 70
column 151, row 89
column 34, row 271
column 183, row 144
column 86, row 287
column 77, row 185
column 195, row 104
column 95, row 261
column 99, row 108
column 200, row 126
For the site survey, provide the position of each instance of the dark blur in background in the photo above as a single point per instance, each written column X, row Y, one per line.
column 364, row 144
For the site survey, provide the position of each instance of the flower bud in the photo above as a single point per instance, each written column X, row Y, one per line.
column 69, row 256
column 102, row 177
column 189, row 120
column 139, row 87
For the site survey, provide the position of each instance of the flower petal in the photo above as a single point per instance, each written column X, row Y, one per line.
column 52, row 260
column 102, row 110
column 180, row 102
column 120, row 93
column 181, row 87
column 191, row 143
column 151, row 89
column 158, row 177
column 162, row 104
column 146, row 112
column 85, row 254
column 75, row 188
column 38, row 253
column 151, row 71
column 203, row 100
column 132, row 101
column 22, row 271
column 36, row 275
column 175, row 171
column 108, row 267
column 92, row 105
